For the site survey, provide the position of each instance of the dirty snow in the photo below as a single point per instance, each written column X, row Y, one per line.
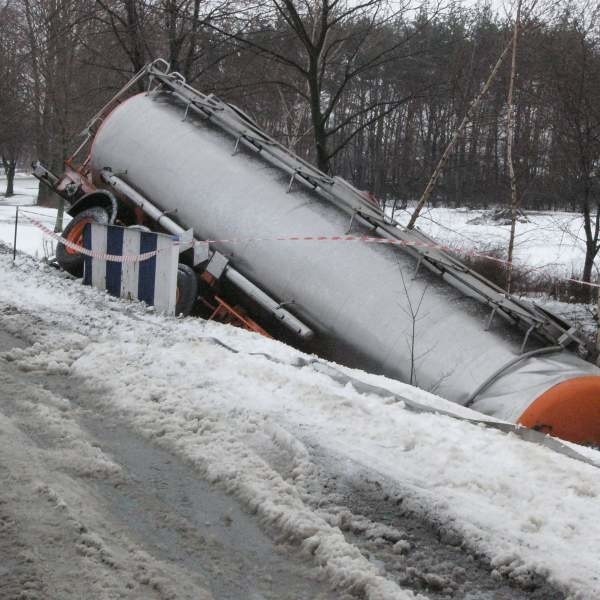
column 232, row 403
column 55, row 539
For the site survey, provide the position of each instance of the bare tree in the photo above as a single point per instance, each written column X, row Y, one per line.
column 14, row 108
column 127, row 21
column 514, row 200
column 324, row 47
column 412, row 311
column 189, row 41
column 574, row 60
column 60, row 89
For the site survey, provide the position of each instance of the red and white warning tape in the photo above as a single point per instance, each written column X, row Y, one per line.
column 128, row 258
column 352, row 238
column 293, row 238
column 586, row 283
column 393, row 242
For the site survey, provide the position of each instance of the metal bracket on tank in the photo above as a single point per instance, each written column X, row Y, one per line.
column 292, row 179
column 416, row 273
column 526, row 338
column 490, row 319
column 166, row 213
column 351, row 223
column 217, row 265
column 237, row 145
column 187, row 110
column 286, row 303
column 567, row 336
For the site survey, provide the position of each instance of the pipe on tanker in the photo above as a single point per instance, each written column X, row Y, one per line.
column 157, row 215
column 356, row 295
column 283, row 316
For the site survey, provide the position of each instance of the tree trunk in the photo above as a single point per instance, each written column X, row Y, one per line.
column 591, row 226
column 60, row 213
column 514, row 199
column 319, row 132
column 9, row 170
column 588, row 264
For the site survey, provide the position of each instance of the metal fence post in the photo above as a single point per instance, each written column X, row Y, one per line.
column 15, row 237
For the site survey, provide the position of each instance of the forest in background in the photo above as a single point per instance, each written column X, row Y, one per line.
column 371, row 90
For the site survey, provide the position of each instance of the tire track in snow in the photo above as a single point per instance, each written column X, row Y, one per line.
column 181, row 518
column 385, row 522
column 56, row 543
column 375, row 516
column 160, row 504
column 401, row 546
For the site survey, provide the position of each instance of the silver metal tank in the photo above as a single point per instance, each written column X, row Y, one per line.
column 363, row 300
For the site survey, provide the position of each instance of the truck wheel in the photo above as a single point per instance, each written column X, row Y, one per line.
column 187, row 290
column 70, row 260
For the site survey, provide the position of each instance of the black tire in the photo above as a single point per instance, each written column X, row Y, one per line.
column 187, row 290
column 71, row 261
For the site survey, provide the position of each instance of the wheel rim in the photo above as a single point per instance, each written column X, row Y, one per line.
column 75, row 236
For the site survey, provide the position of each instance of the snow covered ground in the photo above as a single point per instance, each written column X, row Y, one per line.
column 25, row 188
column 307, row 447
column 287, row 438
column 30, row 239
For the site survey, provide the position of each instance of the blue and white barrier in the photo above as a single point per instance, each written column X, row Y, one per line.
column 151, row 278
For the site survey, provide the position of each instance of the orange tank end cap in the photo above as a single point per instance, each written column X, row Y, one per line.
column 570, row 411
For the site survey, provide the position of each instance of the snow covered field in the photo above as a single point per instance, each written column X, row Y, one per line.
column 551, row 242
column 296, row 445
column 25, row 188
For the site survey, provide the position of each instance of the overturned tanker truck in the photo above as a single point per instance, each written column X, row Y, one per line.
column 174, row 160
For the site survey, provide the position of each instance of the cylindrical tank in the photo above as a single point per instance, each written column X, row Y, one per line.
column 363, row 300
